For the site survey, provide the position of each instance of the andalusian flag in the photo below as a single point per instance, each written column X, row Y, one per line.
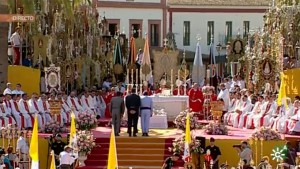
column 188, row 139
column 34, row 145
column 282, row 91
column 72, row 129
column 52, row 166
column 112, row 162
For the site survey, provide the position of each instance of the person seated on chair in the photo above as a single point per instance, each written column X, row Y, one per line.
column 169, row 162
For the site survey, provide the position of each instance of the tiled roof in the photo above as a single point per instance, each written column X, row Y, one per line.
column 220, row 2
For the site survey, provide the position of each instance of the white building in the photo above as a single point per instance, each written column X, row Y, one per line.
column 220, row 19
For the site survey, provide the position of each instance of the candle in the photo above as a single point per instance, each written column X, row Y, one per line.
column 171, row 76
column 137, row 76
column 127, row 77
column 207, row 73
column 141, row 79
column 178, row 74
column 132, row 76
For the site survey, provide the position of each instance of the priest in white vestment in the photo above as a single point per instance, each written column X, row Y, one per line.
column 289, row 120
column 44, row 107
column 24, row 109
column 16, row 112
column 5, row 115
column 8, row 112
column 275, row 116
column 34, row 109
column 224, row 94
column 73, row 102
column 231, row 107
column 65, row 108
column 255, row 111
column 238, row 104
column 87, row 103
column 294, row 121
column 263, row 118
column 282, row 122
column 238, row 120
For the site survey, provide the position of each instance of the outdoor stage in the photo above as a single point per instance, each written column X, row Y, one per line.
column 159, row 141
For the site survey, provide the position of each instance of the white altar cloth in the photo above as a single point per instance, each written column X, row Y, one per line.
column 172, row 105
column 156, row 122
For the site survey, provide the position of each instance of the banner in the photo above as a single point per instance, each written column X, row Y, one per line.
column 292, row 82
column 28, row 77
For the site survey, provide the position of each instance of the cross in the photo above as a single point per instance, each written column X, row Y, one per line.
column 198, row 38
column 139, row 31
column 165, row 42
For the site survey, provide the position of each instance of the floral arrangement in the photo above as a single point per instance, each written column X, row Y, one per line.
column 215, row 129
column 85, row 142
column 180, row 120
column 123, row 123
column 179, row 144
column 265, row 133
column 86, row 121
column 54, row 127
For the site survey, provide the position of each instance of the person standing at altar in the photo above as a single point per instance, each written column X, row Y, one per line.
column 24, row 109
column 146, row 88
column 34, row 109
column 15, row 110
column 196, row 98
column 107, row 98
column 16, row 42
column 120, row 87
column 74, row 102
column 87, row 103
column 146, row 112
column 44, row 107
column 117, row 108
column 133, row 104
column 162, row 86
column 224, row 94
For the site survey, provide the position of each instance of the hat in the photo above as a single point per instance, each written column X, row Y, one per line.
column 8, row 83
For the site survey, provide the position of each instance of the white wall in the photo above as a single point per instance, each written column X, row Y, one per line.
column 198, row 24
column 126, row 14
column 147, row 1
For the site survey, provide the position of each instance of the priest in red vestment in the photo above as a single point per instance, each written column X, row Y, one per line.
column 107, row 99
column 196, row 98
column 146, row 88
column 162, row 85
column 181, row 91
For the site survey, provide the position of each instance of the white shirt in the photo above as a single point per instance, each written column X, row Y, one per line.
column 66, row 158
column 106, row 84
column 16, row 39
column 241, row 83
column 7, row 91
column 120, row 89
column 17, row 92
column 22, row 145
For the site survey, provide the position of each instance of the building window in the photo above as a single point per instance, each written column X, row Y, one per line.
column 210, row 32
column 228, row 31
column 154, row 34
column 113, row 28
column 186, row 33
column 246, row 27
column 136, row 30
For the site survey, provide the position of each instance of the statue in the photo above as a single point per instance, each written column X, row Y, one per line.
column 267, row 68
column 171, row 45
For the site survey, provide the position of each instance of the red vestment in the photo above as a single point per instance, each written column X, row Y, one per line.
column 196, row 100
column 214, row 97
column 181, row 92
column 148, row 91
column 107, row 100
column 159, row 91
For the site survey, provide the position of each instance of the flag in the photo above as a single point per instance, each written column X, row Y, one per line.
column 282, row 91
column 198, row 73
column 213, row 81
column 132, row 52
column 52, row 165
column 72, row 128
column 118, row 54
column 146, row 62
column 112, row 162
column 34, row 145
column 187, row 138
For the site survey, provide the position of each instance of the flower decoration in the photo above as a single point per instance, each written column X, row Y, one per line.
column 180, row 120
column 265, row 133
column 54, row 127
column 179, row 144
column 86, row 121
column 215, row 129
column 85, row 142
column 123, row 123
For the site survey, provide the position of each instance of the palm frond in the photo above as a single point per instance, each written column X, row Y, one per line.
column 28, row 6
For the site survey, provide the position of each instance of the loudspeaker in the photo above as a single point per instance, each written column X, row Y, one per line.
column 202, row 141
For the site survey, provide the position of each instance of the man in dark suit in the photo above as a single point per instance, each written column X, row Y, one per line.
column 133, row 104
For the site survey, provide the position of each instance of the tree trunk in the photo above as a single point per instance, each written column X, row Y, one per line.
column 3, row 47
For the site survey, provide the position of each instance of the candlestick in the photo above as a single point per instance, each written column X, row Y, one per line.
column 184, row 85
column 137, row 76
column 256, row 153
column 261, row 148
column 207, row 73
column 171, row 76
column 132, row 76
column 178, row 85
column 141, row 82
column 127, row 76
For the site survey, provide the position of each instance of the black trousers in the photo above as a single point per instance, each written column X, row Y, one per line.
column 132, row 122
column 64, row 166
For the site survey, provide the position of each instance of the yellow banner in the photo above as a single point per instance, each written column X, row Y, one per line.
column 28, row 77
column 292, row 83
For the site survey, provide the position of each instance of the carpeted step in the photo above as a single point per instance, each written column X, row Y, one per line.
column 126, row 162
column 127, row 156
column 126, row 167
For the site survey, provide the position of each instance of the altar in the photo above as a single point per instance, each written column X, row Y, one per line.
column 172, row 105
